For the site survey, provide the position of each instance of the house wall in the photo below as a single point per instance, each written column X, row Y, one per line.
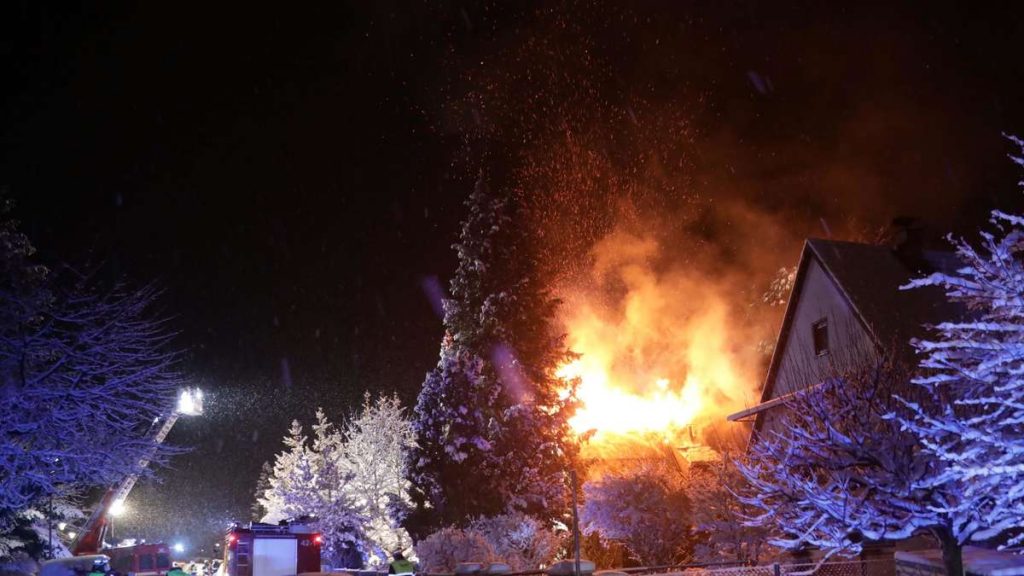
column 849, row 342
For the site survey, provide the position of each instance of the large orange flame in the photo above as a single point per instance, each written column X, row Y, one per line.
column 659, row 352
column 609, row 409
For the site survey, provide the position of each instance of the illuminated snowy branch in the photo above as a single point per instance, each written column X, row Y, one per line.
column 976, row 365
column 84, row 376
column 840, row 468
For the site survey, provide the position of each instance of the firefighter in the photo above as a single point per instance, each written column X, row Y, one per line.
column 176, row 571
column 400, row 565
column 99, row 568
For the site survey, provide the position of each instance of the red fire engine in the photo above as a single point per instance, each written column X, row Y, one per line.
column 268, row 550
column 140, row 560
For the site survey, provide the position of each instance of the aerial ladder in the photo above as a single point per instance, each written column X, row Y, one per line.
column 90, row 538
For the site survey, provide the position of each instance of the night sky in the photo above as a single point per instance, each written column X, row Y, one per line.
column 293, row 175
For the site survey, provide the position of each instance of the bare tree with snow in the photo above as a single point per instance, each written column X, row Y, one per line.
column 84, row 374
column 841, row 469
column 521, row 541
column 643, row 506
column 718, row 514
column 974, row 364
column 442, row 551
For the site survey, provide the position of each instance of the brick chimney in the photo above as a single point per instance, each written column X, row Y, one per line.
column 907, row 236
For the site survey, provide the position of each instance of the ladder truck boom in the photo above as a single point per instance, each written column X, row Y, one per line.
column 89, row 539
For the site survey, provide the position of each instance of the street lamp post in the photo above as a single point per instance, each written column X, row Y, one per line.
column 49, row 527
column 575, row 525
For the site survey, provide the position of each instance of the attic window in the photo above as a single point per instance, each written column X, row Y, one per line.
column 819, row 331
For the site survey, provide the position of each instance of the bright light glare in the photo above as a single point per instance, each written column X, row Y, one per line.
column 117, row 509
column 72, row 534
column 62, row 525
column 190, row 402
column 179, row 547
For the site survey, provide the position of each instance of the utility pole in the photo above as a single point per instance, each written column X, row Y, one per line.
column 575, row 525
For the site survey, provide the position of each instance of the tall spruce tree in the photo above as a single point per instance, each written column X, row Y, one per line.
column 491, row 423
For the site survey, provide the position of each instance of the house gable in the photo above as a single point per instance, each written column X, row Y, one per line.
column 817, row 303
column 820, row 304
column 852, row 293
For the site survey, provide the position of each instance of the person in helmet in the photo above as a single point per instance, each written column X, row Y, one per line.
column 400, row 566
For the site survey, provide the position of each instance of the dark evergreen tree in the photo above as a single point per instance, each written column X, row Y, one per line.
column 492, row 418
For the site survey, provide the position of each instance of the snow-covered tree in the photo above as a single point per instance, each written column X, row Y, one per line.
column 452, row 454
column 491, row 421
column 780, row 287
column 262, row 485
column 30, row 534
column 644, row 507
column 974, row 364
column 351, row 480
column 521, row 541
column 718, row 514
column 326, row 494
column 272, row 499
column 310, row 481
column 442, row 551
column 84, row 372
column 840, row 469
column 376, row 441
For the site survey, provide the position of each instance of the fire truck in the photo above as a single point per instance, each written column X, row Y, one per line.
column 268, row 550
column 140, row 560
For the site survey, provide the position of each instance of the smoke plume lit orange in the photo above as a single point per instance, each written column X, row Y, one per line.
column 661, row 353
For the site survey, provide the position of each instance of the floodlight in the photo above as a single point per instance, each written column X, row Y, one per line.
column 117, row 508
column 190, row 402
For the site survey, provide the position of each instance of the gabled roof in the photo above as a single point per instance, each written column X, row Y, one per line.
column 869, row 278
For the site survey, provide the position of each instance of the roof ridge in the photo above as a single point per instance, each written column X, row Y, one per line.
column 855, row 306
